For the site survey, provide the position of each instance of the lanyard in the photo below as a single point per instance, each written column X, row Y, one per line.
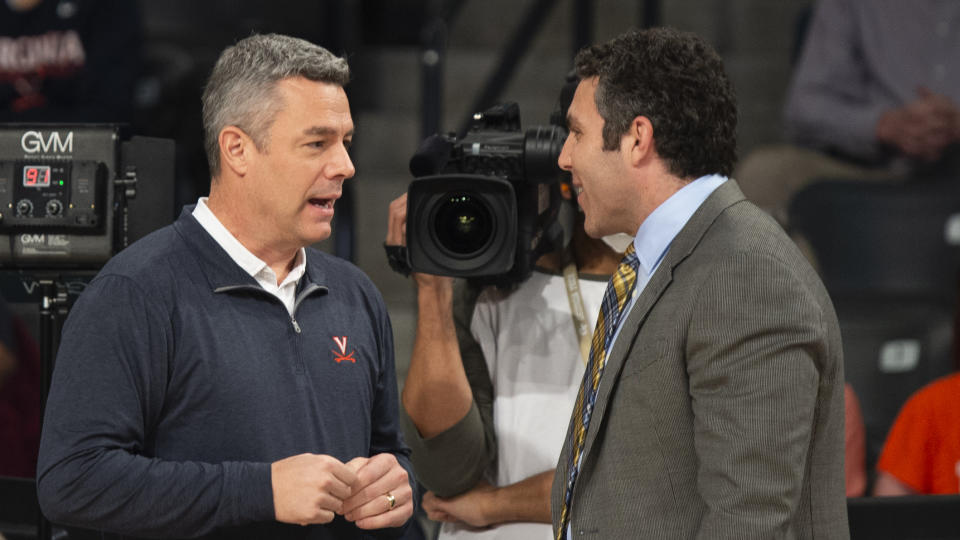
column 571, row 281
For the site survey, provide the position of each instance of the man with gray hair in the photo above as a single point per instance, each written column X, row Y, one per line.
column 219, row 378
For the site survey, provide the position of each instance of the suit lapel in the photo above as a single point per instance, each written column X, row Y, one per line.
column 682, row 246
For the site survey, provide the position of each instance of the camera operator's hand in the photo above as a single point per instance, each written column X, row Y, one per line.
column 397, row 222
column 397, row 236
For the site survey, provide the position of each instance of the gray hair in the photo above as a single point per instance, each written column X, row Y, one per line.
column 240, row 91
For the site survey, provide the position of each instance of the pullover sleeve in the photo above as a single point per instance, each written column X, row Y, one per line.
column 828, row 104
column 108, row 387
column 387, row 436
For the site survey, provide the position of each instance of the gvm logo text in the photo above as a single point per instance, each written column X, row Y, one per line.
column 33, row 142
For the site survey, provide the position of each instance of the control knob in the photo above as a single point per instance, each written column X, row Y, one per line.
column 24, row 208
column 54, row 208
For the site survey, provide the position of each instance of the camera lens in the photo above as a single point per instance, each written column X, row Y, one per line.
column 463, row 224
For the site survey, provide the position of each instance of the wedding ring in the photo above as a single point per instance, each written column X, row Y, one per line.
column 391, row 500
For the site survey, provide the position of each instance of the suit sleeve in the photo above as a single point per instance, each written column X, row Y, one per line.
column 755, row 340
column 108, row 388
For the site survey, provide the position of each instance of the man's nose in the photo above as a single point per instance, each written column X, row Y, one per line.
column 342, row 166
column 563, row 160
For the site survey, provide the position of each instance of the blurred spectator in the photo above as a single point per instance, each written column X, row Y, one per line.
column 19, row 397
column 922, row 452
column 856, row 445
column 68, row 60
column 874, row 96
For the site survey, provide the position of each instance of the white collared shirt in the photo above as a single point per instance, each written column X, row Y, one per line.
column 250, row 263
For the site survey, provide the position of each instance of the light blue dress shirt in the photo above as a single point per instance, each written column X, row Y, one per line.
column 657, row 232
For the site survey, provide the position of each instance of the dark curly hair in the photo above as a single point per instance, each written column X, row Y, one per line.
column 677, row 81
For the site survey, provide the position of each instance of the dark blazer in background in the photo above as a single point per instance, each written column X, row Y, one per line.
column 720, row 411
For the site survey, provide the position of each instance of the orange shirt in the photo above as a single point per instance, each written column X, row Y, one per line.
column 923, row 447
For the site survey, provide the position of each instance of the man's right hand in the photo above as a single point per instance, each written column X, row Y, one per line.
column 310, row 488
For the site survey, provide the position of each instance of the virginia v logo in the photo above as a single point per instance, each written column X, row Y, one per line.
column 341, row 356
column 34, row 141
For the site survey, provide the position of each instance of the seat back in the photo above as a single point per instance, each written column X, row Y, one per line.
column 889, row 239
column 889, row 255
column 891, row 349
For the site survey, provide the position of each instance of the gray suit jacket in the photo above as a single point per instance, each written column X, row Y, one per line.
column 720, row 411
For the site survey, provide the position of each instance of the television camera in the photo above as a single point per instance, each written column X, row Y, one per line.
column 485, row 206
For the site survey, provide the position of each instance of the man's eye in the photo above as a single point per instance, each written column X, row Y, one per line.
column 316, row 144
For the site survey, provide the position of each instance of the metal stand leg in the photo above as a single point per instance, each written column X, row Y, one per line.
column 53, row 310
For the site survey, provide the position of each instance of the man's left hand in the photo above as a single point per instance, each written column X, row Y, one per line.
column 382, row 496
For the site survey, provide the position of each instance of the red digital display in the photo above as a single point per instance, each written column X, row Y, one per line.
column 37, row 176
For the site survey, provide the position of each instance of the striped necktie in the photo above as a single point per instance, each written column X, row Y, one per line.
column 615, row 299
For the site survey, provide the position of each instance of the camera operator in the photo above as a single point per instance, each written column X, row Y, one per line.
column 515, row 351
column 218, row 378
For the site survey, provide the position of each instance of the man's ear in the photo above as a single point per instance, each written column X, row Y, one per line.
column 637, row 143
column 236, row 149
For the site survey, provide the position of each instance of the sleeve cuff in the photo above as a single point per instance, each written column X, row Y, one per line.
column 250, row 487
column 452, row 461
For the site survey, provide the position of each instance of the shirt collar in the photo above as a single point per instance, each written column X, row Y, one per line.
column 662, row 225
column 246, row 260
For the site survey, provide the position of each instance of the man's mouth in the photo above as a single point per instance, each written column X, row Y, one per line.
column 578, row 190
column 322, row 203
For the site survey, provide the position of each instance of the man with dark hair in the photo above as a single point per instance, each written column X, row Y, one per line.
column 217, row 378
column 712, row 402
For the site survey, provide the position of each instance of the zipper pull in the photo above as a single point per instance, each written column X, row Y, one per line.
column 296, row 325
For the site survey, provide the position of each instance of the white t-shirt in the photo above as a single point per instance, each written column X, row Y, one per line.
column 533, row 357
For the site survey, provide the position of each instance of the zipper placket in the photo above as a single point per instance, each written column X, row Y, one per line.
column 310, row 289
